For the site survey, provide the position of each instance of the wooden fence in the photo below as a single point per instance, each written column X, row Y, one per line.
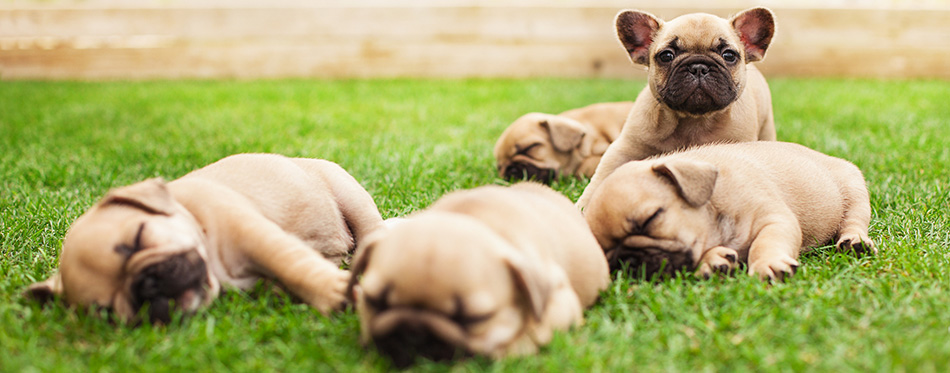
column 102, row 39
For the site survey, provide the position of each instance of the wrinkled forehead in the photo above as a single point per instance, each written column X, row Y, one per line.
column 696, row 32
column 529, row 123
column 633, row 179
column 440, row 251
column 631, row 188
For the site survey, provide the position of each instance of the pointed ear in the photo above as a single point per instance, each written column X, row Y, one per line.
column 694, row 180
column 566, row 134
column 530, row 283
column 45, row 291
column 755, row 28
column 360, row 261
column 151, row 196
column 636, row 30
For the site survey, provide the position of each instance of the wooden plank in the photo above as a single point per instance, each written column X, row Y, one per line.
column 99, row 39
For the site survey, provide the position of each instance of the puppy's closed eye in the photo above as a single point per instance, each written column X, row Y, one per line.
column 640, row 228
column 526, row 149
column 465, row 320
column 381, row 301
column 127, row 250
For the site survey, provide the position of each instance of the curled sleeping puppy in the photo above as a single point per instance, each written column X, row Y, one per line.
column 173, row 245
column 711, row 207
column 490, row 271
column 545, row 146
column 702, row 86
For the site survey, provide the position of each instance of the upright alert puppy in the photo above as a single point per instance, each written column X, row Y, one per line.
column 242, row 218
column 544, row 146
column 702, row 88
column 706, row 208
column 490, row 271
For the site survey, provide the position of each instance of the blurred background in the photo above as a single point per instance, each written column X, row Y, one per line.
column 171, row 39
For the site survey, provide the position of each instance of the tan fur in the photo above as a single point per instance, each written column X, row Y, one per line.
column 768, row 200
column 570, row 143
column 245, row 217
column 653, row 126
column 521, row 258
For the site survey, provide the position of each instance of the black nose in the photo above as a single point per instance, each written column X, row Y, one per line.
column 698, row 69
column 405, row 342
column 648, row 262
column 161, row 283
column 526, row 171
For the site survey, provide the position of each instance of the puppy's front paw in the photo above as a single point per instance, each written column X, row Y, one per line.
column 774, row 268
column 720, row 259
column 333, row 294
column 857, row 242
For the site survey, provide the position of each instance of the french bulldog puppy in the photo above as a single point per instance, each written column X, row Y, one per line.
column 702, row 87
column 490, row 271
column 249, row 216
column 544, row 146
column 710, row 207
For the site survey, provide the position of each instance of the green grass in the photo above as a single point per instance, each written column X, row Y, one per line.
column 64, row 144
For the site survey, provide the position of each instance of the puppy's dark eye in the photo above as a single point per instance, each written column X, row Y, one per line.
column 665, row 56
column 730, row 55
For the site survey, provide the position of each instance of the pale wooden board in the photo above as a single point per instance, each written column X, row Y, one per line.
column 211, row 39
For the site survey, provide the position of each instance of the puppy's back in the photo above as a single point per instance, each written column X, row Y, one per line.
column 608, row 117
column 812, row 184
column 276, row 185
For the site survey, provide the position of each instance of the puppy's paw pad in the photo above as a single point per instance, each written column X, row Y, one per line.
column 718, row 260
column 775, row 268
column 857, row 242
column 732, row 257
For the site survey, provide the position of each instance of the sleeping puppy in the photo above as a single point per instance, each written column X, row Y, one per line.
column 173, row 245
column 544, row 146
column 491, row 271
column 707, row 208
column 702, row 86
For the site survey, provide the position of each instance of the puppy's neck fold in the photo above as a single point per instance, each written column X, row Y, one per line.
column 685, row 125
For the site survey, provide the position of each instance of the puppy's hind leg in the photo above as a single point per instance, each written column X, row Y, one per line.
column 853, row 231
column 357, row 206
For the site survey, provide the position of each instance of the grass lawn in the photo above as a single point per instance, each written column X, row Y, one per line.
column 64, row 144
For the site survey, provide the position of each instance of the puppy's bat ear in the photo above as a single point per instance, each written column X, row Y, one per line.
column 755, row 28
column 694, row 181
column 151, row 196
column 530, row 284
column 360, row 261
column 636, row 31
column 566, row 134
column 45, row 291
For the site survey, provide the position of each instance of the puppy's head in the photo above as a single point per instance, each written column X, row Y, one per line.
column 696, row 62
column 538, row 146
column 654, row 216
column 442, row 285
column 136, row 248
